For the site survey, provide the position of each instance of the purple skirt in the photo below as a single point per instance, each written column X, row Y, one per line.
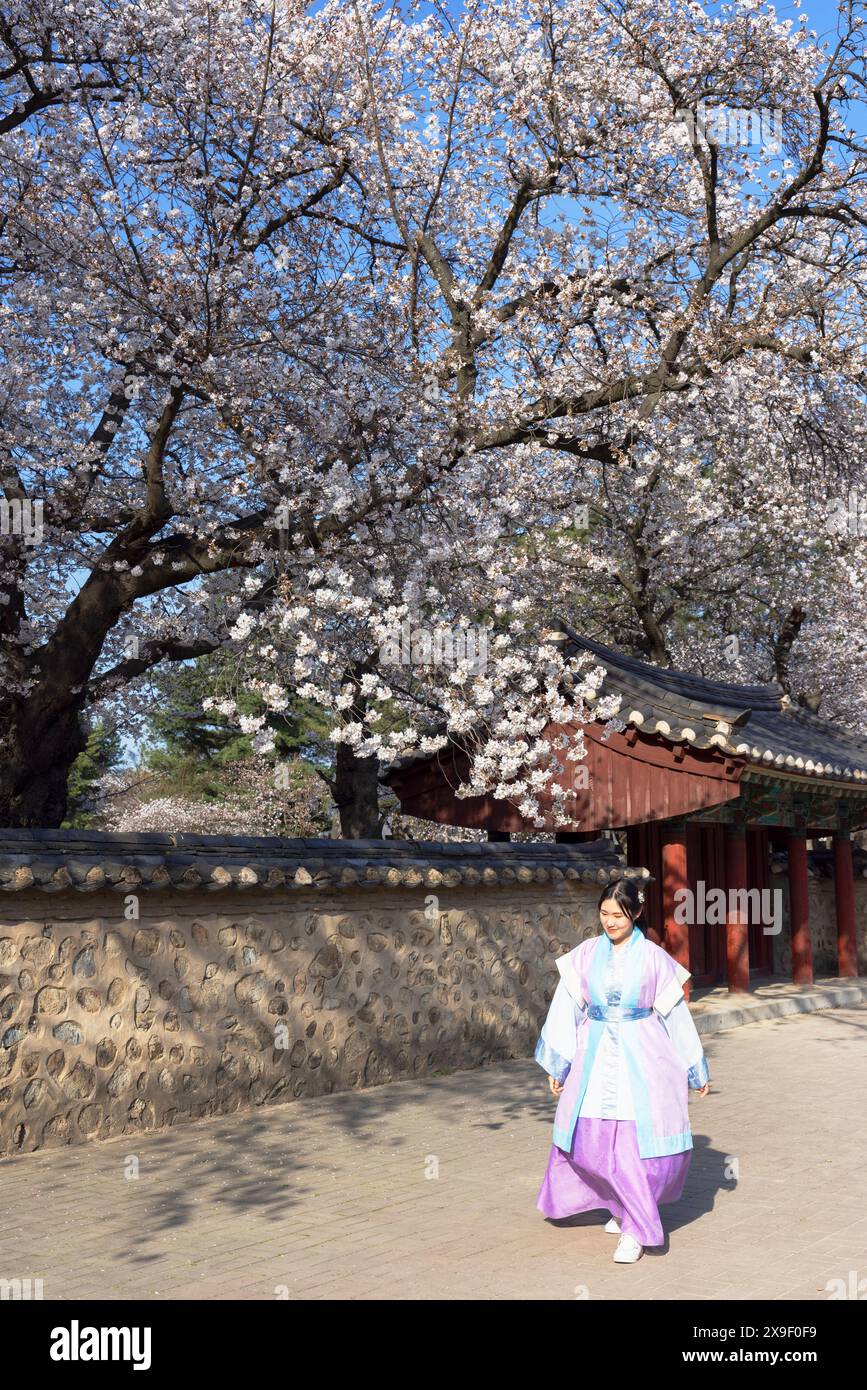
column 606, row 1170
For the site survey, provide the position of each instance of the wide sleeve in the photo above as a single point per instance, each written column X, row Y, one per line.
column 556, row 1046
column 678, row 1024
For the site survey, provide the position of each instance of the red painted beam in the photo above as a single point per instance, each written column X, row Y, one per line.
column 623, row 781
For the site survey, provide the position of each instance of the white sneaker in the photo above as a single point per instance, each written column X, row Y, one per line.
column 612, row 1227
column 628, row 1250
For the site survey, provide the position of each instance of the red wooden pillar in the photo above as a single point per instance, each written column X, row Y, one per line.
column 844, row 897
column 675, row 877
column 737, row 918
column 799, row 908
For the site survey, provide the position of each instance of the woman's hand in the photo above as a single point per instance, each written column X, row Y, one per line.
column 555, row 1087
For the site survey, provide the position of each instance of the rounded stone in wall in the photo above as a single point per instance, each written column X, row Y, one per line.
column 8, row 951
column 56, row 973
column 119, row 1081
column 9, row 1006
column 276, row 941
column 80, row 1082
column 377, row 1068
column 166, row 1079
column 68, row 1032
column 251, row 988
column 33, row 1093
column 55, row 1062
column 177, row 940
column 113, row 944
column 116, row 991
column 84, row 963
column 29, row 1065
column 328, row 961
column 38, row 950
column 116, row 1021
column 140, row 1115
column 89, row 1000
column 228, row 1069
column 89, row 1120
column 182, row 966
column 227, row 936
column 106, row 1052
column 133, row 1049
column 146, row 942
column 8, row 1058
column 56, row 1131
column 25, row 981
column 51, row 1000
column 200, row 933
column 171, row 1023
column 155, row 1048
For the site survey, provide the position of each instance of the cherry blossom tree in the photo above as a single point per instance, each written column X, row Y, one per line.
column 319, row 323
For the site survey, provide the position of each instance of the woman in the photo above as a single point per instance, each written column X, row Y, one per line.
column 621, row 1051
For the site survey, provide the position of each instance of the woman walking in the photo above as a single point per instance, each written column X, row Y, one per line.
column 621, row 1051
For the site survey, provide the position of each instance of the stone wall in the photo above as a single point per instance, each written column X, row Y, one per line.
column 209, row 1001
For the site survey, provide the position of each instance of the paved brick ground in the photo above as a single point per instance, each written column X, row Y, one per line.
column 330, row 1198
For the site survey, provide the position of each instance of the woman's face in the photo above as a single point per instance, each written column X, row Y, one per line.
column 616, row 923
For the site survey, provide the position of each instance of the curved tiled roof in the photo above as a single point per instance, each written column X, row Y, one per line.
column 753, row 722
column 85, row 861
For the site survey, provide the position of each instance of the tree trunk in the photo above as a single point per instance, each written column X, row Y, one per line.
column 356, row 792
column 37, row 749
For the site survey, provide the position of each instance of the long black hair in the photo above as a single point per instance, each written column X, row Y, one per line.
column 629, row 895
